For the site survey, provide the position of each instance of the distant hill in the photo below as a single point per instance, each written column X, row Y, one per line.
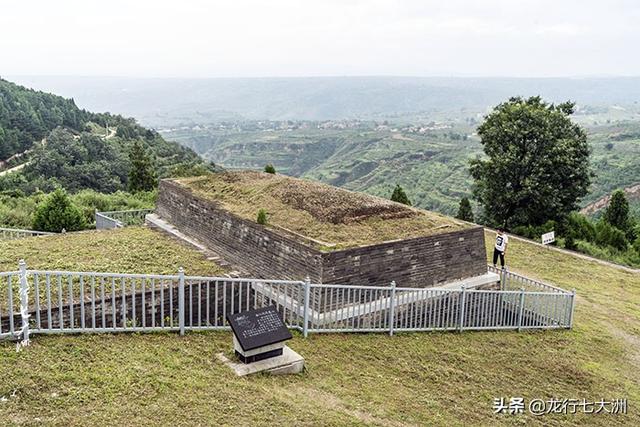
column 47, row 141
column 167, row 102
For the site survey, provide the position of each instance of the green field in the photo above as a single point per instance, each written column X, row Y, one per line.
column 351, row 379
column 129, row 250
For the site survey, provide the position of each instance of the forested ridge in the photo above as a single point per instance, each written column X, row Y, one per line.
column 61, row 145
column 27, row 115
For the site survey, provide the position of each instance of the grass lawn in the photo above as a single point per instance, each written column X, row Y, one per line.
column 357, row 379
column 128, row 250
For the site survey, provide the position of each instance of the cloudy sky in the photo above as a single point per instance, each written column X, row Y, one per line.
column 249, row 38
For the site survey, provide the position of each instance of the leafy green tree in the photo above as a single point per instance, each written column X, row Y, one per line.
column 142, row 176
column 617, row 213
column 465, row 212
column 270, row 168
column 538, row 163
column 400, row 196
column 57, row 213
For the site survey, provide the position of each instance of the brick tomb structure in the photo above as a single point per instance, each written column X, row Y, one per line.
column 328, row 234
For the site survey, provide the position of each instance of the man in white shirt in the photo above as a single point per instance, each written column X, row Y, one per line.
column 501, row 247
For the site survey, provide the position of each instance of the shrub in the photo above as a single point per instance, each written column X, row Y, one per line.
column 535, row 232
column 58, row 213
column 270, row 168
column 88, row 201
column 465, row 212
column 569, row 242
column 608, row 235
column 579, row 227
column 400, row 196
column 262, row 217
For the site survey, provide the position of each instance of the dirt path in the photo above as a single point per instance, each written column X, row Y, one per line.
column 14, row 169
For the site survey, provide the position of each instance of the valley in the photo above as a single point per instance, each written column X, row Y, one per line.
column 429, row 160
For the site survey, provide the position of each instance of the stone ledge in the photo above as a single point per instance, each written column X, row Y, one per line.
column 289, row 363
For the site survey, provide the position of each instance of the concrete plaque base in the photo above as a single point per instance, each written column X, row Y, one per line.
column 289, row 363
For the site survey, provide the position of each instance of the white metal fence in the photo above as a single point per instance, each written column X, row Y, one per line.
column 119, row 219
column 37, row 301
column 16, row 233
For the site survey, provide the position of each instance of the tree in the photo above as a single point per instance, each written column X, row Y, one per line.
column 464, row 211
column 270, row 168
column 538, row 163
column 400, row 196
column 142, row 176
column 57, row 213
column 617, row 213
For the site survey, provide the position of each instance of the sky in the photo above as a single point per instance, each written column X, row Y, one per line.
column 267, row 38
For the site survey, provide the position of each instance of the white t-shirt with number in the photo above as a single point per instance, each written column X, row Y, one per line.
column 501, row 242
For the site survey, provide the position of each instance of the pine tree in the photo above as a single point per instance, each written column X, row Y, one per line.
column 270, row 168
column 400, row 196
column 617, row 213
column 57, row 213
column 142, row 176
column 465, row 212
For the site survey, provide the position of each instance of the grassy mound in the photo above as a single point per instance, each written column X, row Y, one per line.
column 337, row 217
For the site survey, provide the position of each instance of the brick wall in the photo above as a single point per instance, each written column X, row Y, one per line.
column 418, row 262
column 258, row 250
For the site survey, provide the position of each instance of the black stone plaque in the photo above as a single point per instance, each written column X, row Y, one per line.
column 258, row 328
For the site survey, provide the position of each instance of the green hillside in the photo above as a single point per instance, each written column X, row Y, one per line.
column 351, row 379
column 615, row 158
column 433, row 167
column 47, row 141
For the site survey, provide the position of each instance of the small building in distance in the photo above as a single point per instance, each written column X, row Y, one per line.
column 330, row 234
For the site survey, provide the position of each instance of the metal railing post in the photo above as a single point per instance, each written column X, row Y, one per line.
column 572, row 306
column 392, row 306
column 463, row 294
column 24, row 301
column 521, row 309
column 181, row 300
column 307, row 289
